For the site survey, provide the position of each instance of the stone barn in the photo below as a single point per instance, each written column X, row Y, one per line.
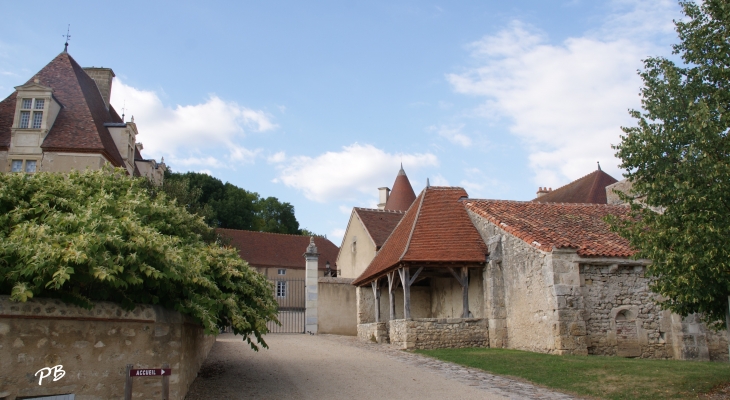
column 539, row 276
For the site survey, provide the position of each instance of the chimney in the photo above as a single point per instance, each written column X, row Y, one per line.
column 543, row 191
column 384, row 194
column 103, row 78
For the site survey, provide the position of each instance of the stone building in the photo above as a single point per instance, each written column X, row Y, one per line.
column 368, row 228
column 61, row 120
column 539, row 276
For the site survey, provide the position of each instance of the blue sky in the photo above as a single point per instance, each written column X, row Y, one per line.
column 317, row 103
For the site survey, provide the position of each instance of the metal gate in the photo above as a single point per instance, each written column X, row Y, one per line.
column 290, row 294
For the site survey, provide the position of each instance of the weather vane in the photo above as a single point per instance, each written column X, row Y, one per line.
column 68, row 37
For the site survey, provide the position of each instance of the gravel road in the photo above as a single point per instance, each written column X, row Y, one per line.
column 300, row 366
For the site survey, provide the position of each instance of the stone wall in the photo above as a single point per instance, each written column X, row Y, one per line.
column 623, row 319
column 420, row 303
column 376, row 332
column 337, row 307
column 94, row 346
column 438, row 333
column 519, row 298
column 447, row 300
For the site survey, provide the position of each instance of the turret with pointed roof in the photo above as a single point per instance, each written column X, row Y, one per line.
column 402, row 195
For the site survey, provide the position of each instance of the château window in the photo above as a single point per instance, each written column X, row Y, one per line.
column 282, row 272
column 16, row 166
column 25, row 120
column 28, row 166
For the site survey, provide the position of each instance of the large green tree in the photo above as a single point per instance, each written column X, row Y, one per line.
column 228, row 206
column 678, row 160
column 103, row 236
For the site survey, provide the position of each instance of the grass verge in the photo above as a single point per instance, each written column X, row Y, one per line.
column 596, row 376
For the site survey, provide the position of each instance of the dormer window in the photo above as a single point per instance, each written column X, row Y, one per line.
column 25, row 116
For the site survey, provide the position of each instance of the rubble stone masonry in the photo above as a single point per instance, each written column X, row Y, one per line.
column 438, row 333
column 94, row 346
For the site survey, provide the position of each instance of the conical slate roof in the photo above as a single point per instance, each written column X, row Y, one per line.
column 436, row 230
column 588, row 189
column 79, row 126
column 402, row 195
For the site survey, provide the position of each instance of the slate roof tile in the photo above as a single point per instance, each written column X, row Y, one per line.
column 79, row 126
column 557, row 225
column 588, row 189
column 264, row 249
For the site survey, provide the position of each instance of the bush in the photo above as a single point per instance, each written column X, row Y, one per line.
column 102, row 236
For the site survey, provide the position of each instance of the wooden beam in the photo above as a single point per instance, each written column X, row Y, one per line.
column 376, row 294
column 413, row 279
column 465, row 291
column 392, row 285
column 405, row 278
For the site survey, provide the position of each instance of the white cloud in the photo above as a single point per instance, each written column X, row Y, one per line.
column 336, row 235
column 453, row 134
column 567, row 101
column 348, row 174
column 277, row 157
column 438, row 180
column 345, row 209
column 175, row 132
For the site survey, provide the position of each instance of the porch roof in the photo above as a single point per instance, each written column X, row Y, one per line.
column 436, row 229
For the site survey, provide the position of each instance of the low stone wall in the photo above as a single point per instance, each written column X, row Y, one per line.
column 337, row 307
column 438, row 333
column 94, row 346
column 373, row 332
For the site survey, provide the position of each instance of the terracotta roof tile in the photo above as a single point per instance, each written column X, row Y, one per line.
column 557, row 225
column 379, row 223
column 588, row 189
column 80, row 123
column 435, row 229
column 402, row 195
column 264, row 249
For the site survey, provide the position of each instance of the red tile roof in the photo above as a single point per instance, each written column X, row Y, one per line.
column 379, row 223
column 402, row 195
column 264, row 249
column 436, row 229
column 557, row 225
column 588, row 189
column 79, row 126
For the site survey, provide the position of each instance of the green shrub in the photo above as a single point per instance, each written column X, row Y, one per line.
column 102, row 236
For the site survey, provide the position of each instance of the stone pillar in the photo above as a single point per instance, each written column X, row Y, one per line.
column 569, row 327
column 312, row 284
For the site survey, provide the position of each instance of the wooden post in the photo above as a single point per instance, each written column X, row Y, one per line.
column 128, row 384
column 463, row 278
column 165, row 384
column 465, row 291
column 392, row 285
column 376, row 293
column 406, row 280
column 727, row 326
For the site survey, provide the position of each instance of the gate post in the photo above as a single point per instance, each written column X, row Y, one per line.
column 312, row 281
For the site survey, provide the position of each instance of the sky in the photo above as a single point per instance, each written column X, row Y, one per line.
column 318, row 103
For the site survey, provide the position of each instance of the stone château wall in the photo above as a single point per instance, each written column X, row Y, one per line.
column 437, row 333
column 94, row 346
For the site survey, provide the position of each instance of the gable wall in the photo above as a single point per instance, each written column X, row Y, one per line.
column 351, row 263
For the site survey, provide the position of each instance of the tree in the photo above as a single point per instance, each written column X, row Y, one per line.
column 276, row 217
column 102, row 236
column 678, row 161
column 228, row 206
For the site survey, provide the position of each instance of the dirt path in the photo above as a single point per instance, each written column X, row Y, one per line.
column 339, row 367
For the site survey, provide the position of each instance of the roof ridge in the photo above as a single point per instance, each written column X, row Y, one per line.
column 413, row 227
column 270, row 233
column 547, row 203
column 379, row 210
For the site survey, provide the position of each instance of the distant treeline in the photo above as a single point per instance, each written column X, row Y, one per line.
column 224, row 205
